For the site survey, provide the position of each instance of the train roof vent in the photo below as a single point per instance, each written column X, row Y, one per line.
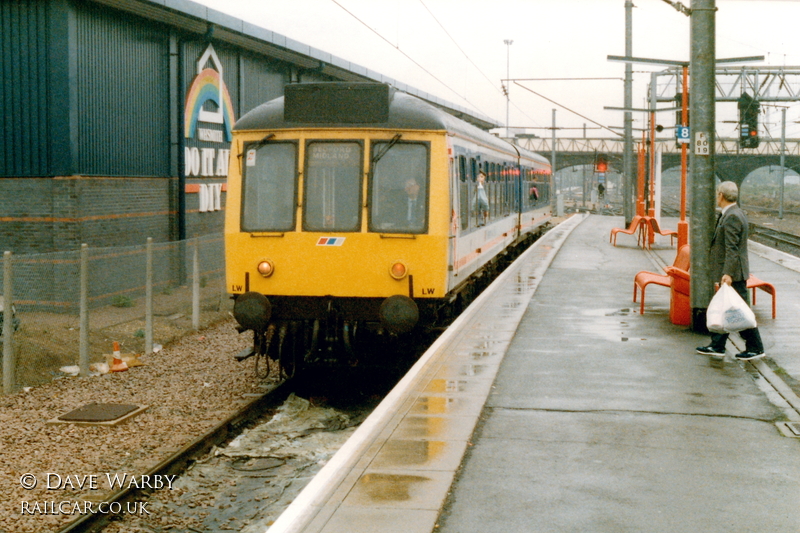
column 337, row 103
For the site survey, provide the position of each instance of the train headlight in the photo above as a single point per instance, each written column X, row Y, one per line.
column 266, row 268
column 398, row 270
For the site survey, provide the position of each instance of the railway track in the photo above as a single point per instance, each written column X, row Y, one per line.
column 780, row 240
column 178, row 462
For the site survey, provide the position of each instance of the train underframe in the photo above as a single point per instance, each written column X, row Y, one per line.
column 298, row 332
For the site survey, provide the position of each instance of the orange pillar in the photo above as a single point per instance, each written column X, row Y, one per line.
column 683, row 225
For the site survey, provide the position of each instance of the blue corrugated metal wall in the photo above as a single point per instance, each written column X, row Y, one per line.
column 123, row 95
column 23, row 98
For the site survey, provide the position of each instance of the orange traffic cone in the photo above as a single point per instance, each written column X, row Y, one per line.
column 117, row 364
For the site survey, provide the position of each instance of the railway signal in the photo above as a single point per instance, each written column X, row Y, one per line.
column 601, row 164
column 749, row 108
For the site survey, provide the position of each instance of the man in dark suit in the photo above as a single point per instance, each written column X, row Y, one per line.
column 730, row 265
column 400, row 210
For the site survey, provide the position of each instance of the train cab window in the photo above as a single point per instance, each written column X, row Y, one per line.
column 332, row 186
column 399, row 188
column 269, row 188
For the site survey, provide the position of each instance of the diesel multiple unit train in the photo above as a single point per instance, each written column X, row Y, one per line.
column 355, row 207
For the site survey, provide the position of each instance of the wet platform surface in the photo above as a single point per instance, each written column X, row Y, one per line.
column 553, row 405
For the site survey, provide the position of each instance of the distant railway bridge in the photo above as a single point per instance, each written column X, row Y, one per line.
column 732, row 163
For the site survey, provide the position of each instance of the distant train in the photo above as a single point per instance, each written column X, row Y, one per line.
column 355, row 207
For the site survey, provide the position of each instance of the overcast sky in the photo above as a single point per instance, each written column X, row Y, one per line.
column 455, row 49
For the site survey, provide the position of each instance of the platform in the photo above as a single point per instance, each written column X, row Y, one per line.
column 552, row 405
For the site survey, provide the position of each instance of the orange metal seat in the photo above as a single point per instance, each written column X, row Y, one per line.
column 672, row 233
column 755, row 283
column 630, row 231
column 644, row 278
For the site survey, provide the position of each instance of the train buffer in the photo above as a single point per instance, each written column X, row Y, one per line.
column 552, row 404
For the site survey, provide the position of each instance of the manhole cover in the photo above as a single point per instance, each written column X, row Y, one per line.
column 100, row 413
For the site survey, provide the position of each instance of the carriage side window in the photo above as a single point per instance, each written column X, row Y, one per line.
column 399, row 188
column 332, row 186
column 269, row 188
column 464, row 187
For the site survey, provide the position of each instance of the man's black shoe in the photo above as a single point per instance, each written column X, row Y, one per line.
column 748, row 356
column 710, row 350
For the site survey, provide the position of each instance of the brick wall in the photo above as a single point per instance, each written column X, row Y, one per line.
column 59, row 214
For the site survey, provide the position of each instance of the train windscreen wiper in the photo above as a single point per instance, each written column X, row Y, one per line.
column 386, row 148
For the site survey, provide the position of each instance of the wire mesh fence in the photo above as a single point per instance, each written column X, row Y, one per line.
column 68, row 308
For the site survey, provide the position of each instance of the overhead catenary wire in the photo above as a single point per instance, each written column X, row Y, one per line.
column 568, row 109
column 469, row 58
column 459, row 47
column 396, row 47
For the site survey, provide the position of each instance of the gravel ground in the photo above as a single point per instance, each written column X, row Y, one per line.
column 188, row 387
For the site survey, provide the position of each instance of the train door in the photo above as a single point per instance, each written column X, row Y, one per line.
column 453, row 179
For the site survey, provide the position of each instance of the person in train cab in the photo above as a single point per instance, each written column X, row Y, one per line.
column 729, row 265
column 482, row 200
column 414, row 204
column 399, row 206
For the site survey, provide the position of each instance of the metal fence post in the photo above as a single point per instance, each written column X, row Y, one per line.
column 196, row 284
column 84, row 312
column 9, row 362
column 148, row 299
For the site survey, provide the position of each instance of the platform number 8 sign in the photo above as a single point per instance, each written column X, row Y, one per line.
column 682, row 134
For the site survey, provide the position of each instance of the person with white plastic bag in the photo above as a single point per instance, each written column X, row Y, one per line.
column 728, row 313
column 730, row 265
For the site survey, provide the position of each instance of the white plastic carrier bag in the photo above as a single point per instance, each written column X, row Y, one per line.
column 727, row 312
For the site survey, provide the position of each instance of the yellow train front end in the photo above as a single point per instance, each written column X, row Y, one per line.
column 322, row 220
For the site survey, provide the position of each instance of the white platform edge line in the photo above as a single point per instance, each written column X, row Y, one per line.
column 305, row 506
column 776, row 256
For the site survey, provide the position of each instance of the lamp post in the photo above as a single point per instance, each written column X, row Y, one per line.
column 508, row 43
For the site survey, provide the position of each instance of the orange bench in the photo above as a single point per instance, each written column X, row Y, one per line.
column 644, row 278
column 755, row 283
column 643, row 225
column 633, row 228
column 672, row 233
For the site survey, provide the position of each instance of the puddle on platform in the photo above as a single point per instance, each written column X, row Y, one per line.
column 446, row 405
column 389, row 487
column 405, row 453
column 447, row 385
column 483, row 354
column 607, row 325
column 489, row 346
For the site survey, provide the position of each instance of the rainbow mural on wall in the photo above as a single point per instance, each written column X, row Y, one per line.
column 206, row 86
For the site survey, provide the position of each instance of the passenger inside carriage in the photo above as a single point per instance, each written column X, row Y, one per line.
column 482, row 200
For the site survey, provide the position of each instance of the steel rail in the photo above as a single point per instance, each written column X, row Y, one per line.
column 178, row 462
